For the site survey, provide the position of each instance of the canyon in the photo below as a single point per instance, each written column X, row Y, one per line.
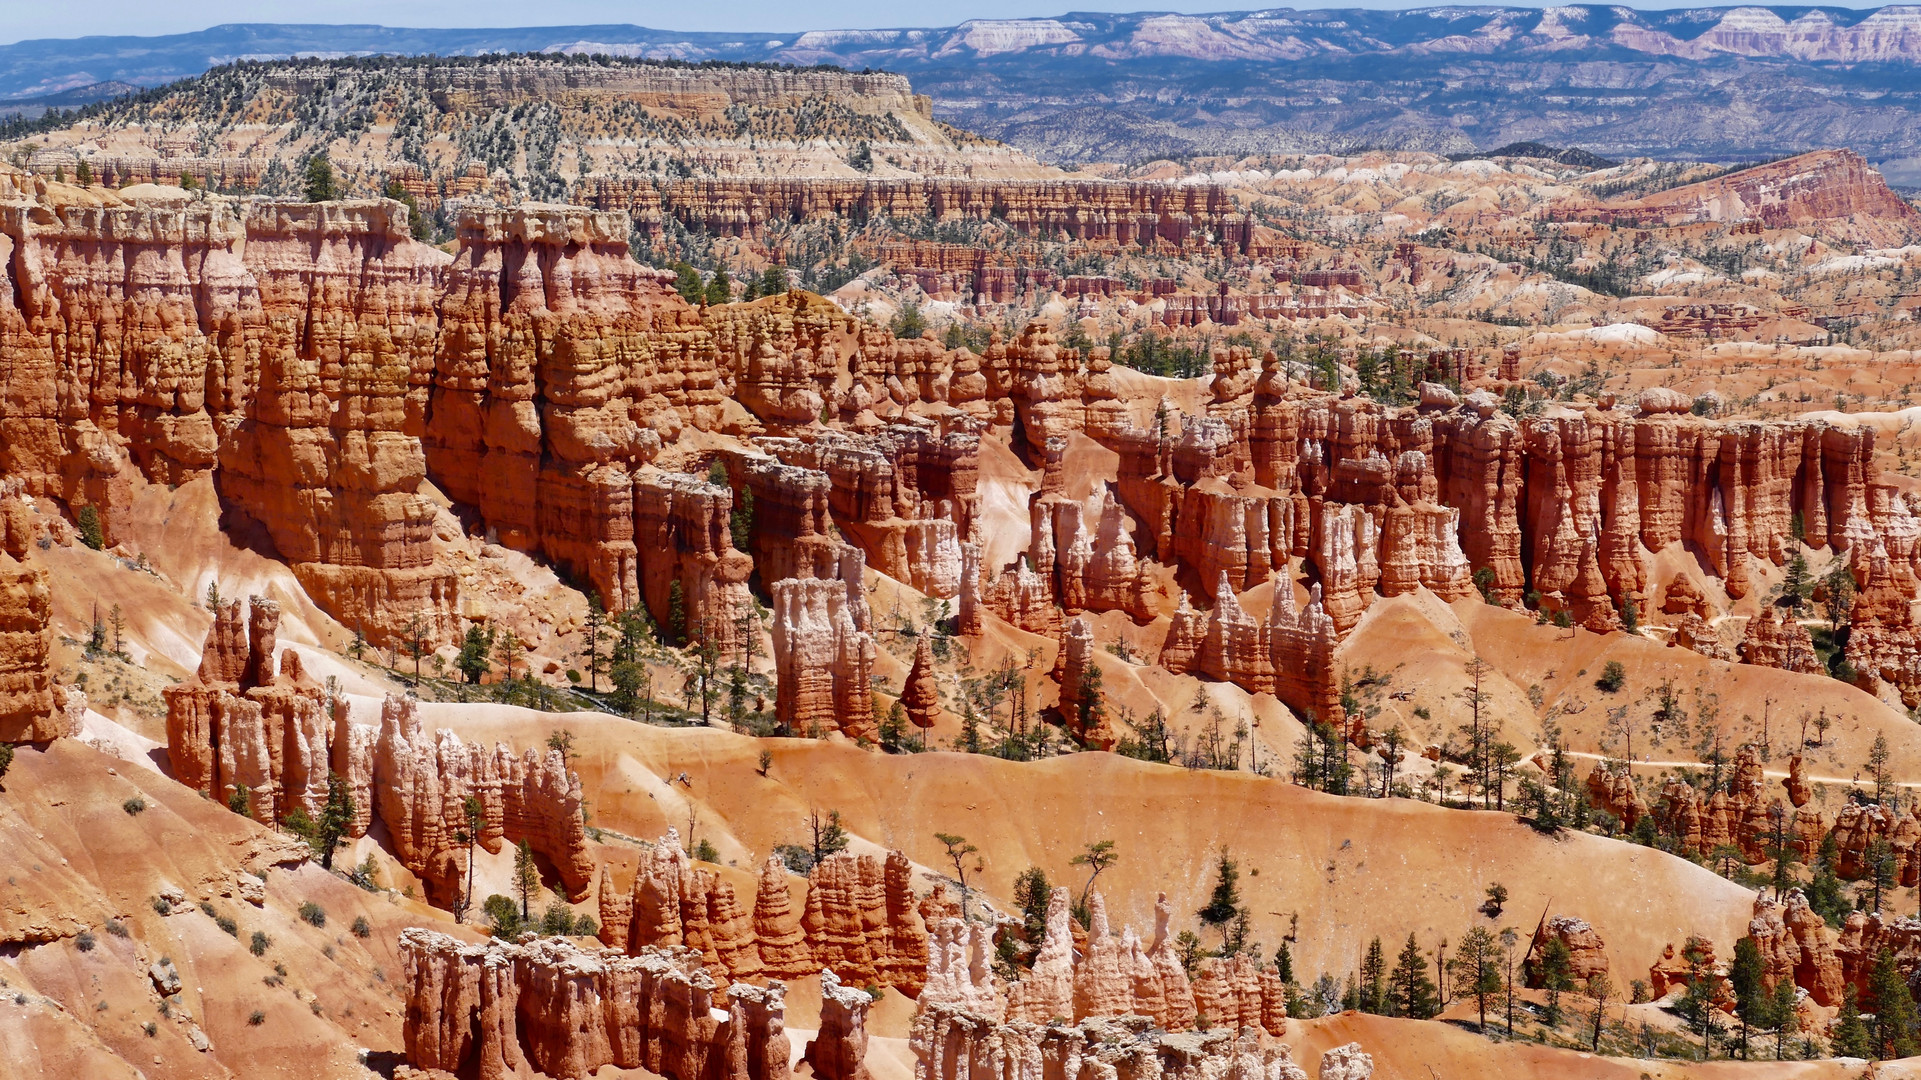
column 1069, row 624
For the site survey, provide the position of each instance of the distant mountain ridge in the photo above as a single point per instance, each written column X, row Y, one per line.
column 1729, row 82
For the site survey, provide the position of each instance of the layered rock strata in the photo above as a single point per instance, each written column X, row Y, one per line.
column 421, row 784
column 824, row 655
column 859, row 919
column 549, row 1008
column 29, row 708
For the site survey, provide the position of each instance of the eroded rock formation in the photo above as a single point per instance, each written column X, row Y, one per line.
column 547, row 1007
column 824, row 656
column 29, row 709
column 860, row 918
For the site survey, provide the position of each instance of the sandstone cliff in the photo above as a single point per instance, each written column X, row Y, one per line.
column 549, row 1008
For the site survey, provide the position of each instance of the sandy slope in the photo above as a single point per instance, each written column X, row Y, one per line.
column 1351, row 868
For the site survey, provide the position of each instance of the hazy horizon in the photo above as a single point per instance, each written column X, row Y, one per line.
column 126, row 18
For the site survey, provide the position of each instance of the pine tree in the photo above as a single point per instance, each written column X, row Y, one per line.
column 1747, row 975
column 1476, row 968
column 720, row 289
column 1373, row 983
column 1032, row 891
column 1554, row 965
column 1851, row 1038
column 526, row 876
column 676, row 613
column 1224, row 904
column 1284, row 964
column 318, row 183
column 1797, row 584
column 687, row 282
column 1893, row 1005
column 1783, row 1017
column 1412, row 991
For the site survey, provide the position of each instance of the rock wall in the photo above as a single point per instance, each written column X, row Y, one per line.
column 948, row 1040
column 547, row 1007
column 28, row 711
column 824, row 656
column 1112, row 212
column 243, row 722
column 420, row 786
column 859, row 919
column 283, row 347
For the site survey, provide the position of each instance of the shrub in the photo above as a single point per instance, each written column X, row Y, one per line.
column 705, row 851
column 362, row 928
column 150, row 1028
column 258, row 944
column 85, row 942
column 162, row 906
column 504, row 914
column 256, row 1018
column 313, row 914
column 557, row 921
column 1613, row 677
column 206, row 909
column 116, row 928
column 134, row 805
column 225, row 922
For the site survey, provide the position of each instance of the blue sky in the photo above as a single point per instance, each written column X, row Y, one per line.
column 33, row 18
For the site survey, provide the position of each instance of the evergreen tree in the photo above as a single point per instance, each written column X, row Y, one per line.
column 1783, row 1017
column 318, row 184
column 1839, row 584
column 740, row 523
column 720, row 288
column 1476, row 968
column 1031, row 894
column 1554, row 967
column 476, row 649
column 1284, row 963
column 773, row 280
column 1747, row 976
column 1893, row 1005
column 526, row 876
column 688, row 284
column 1224, row 904
column 1851, row 1037
column 676, row 614
column 1413, row 994
column 1372, row 986
column 1697, row 1003
column 1797, row 584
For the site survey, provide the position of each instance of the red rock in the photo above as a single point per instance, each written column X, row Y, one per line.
column 784, row 952
column 839, row 1051
column 948, row 1040
column 1779, row 642
column 823, row 657
column 1794, row 191
column 1614, row 791
column 420, row 787
column 1682, row 596
column 1290, row 655
column 919, row 696
column 1799, row 791
column 27, row 712
column 1798, row 947
column 495, row 1010
column 1045, row 994
column 1587, row 955
column 960, row 972
column 681, row 523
